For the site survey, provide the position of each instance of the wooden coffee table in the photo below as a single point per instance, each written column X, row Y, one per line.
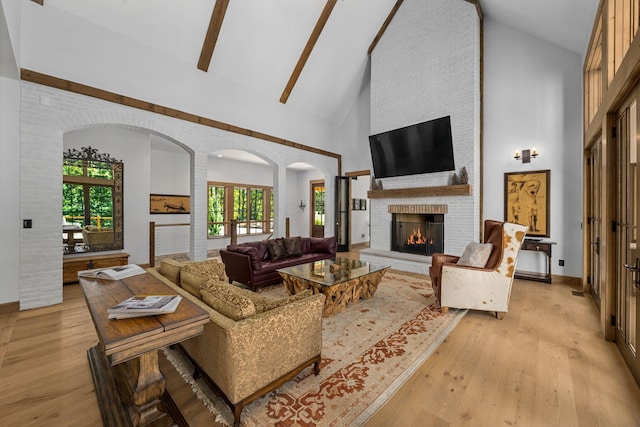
column 344, row 281
column 129, row 385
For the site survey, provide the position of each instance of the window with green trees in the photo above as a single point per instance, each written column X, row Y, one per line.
column 91, row 197
column 216, row 223
column 251, row 206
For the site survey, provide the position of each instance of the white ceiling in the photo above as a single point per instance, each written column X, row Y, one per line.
column 566, row 23
column 261, row 40
column 259, row 43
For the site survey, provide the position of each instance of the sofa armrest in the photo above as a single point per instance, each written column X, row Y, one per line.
column 237, row 266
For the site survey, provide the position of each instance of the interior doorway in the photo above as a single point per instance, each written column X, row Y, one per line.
column 627, row 264
column 359, row 212
column 317, row 210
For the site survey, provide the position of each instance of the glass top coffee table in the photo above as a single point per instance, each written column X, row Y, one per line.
column 343, row 281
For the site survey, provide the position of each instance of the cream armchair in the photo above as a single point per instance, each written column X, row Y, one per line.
column 485, row 288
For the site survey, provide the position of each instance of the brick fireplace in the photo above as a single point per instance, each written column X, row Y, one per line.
column 417, row 229
column 427, row 65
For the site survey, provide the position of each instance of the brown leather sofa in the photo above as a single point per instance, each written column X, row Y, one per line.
column 253, row 263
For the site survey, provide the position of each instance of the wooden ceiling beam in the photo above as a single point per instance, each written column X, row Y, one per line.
column 81, row 89
column 306, row 52
column 384, row 26
column 217, row 17
column 40, row 2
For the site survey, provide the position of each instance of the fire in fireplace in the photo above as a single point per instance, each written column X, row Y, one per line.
column 420, row 234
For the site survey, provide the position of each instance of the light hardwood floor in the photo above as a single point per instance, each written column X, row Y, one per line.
column 545, row 364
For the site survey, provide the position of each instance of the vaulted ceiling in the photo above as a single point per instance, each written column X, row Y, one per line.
column 309, row 54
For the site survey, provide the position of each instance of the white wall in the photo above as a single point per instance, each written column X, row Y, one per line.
column 360, row 218
column 533, row 98
column 426, row 66
column 10, row 223
column 132, row 147
column 47, row 114
column 9, row 46
column 110, row 61
column 170, row 175
column 353, row 140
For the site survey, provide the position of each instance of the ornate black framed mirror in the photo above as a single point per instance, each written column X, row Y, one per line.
column 92, row 199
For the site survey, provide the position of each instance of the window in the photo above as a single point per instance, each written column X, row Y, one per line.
column 216, row 222
column 251, row 206
column 91, row 196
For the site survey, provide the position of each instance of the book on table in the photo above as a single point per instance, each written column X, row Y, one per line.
column 144, row 305
column 113, row 273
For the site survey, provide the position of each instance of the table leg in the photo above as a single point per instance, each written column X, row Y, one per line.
column 141, row 383
column 133, row 393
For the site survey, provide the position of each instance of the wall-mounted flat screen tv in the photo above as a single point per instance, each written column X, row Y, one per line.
column 420, row 148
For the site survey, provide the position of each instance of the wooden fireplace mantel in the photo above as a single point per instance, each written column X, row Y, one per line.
column 443, row 190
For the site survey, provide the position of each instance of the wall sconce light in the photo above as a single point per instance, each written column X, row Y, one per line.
column 526, row 155
column 302, row 205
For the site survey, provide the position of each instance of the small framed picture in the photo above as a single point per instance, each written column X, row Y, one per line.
column 168, row 204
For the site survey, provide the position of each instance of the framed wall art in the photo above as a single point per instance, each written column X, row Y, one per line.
column 168, row 204
column 527, row 200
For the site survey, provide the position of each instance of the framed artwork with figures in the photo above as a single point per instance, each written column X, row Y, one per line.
column 527, row 200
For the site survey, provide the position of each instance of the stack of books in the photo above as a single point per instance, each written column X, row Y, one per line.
column 144, row 305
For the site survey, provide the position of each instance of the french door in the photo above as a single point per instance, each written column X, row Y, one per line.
column 317, row 208
column 594, row 218
column 626, row 232
column 343, row 196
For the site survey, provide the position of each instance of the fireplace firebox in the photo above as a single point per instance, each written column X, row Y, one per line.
column 420, row 234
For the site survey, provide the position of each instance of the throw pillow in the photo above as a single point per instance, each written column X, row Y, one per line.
column 223, row 298
column 170, row 268
column 476, row 254
column 195, row 274
column 276, row 249
column 293, row 246
column 275, row 303
column 323, row 245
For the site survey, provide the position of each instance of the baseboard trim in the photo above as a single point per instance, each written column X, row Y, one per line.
column 569, row 280
column 10, row 307
column 356, row 246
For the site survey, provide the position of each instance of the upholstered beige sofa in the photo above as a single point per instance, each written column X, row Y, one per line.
column 257, row 344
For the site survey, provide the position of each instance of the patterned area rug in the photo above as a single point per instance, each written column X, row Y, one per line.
column 368, row 351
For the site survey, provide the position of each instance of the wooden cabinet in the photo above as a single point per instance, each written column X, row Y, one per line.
column 537, row 246
column 71, row 266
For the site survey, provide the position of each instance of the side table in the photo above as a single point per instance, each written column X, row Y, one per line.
column 537, row 246
column 129, row 385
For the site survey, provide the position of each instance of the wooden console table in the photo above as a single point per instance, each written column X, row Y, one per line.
column 71, row 265
column 124, row 364
column 537, row 246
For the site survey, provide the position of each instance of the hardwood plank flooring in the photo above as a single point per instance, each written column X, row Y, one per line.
column 545, row 364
